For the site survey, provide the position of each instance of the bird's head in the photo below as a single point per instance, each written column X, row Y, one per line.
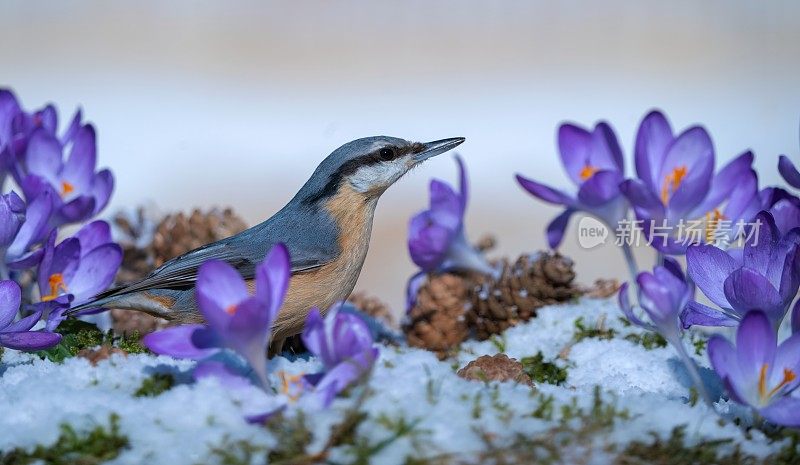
column 370, row 165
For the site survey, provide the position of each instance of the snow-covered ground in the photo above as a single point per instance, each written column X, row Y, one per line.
column 415, row 405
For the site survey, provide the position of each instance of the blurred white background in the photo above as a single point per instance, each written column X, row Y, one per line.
column 234, row 103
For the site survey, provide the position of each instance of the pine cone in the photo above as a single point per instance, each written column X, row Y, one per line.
column 147, row 245
column 530, row 283
column 177, row 234
column 134, row 232
column 436, row 322
column 373, row 307
column 602, row 288
column 495, row 368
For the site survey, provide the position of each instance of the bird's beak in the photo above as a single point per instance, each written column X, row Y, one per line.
column 431, row 149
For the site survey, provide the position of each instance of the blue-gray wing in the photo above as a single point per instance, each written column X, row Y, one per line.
column 181, row 272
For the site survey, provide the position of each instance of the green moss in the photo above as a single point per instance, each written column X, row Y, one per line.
column 131, row 343
column 543, row 372
column 78, row 335
column 675, row 451
column 598, row 332
column 648, row 340
column 97, row 446
column 155, row 385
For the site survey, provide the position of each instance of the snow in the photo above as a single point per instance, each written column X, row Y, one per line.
column 183, row 424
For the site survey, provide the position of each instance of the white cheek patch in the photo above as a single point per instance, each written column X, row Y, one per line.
column 377, row 175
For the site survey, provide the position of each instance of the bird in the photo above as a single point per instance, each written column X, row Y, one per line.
column 326, row 228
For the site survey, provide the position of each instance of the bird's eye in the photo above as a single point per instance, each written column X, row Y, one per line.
column 386, row 154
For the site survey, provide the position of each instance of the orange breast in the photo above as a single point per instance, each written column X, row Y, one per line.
column 323, row 286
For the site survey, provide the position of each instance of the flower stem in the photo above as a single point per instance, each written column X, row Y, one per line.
column 691, row 367
column 633, row 269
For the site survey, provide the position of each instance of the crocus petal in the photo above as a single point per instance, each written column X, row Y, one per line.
column 48, row 118
column 314, row 337
column 351, row 335
column 10, row 298
column 95, row 272
column 219, row 287
column 77, row 209
column 747, row 290
column 272, row 280
column 176, row 341
column 698, row 314
column 548, row 194
column 73, row 127
column 428, row 241
column 606, row 152
column 756, row 344
column 652, row 139
column 43, row 157
column 344, row 374
column 789, row 171
column 787, row 356
column 796, row 317
column 722, row 355
column 574, row 145
column 644, row 201
column 724, row 183
column 93, row 235
column 32, row 229
column 412, row 289
column 657, row 300
column 708, row 266
column 786, row 214
column 600, row 188
column 785, row 412
column 694, row 151
column 63, row 259
column 12, row 215
column 79, row 168
column 446, row 205
column 102, row 186
column 463, row 184
column 627, row 308
column 222, row 372
column 24, row 324
column 557, row 228
column 758, row 250
column 29, row 340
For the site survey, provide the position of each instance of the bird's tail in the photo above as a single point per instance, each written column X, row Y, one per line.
column 159, row 303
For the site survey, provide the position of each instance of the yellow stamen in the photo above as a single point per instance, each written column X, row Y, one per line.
column 712, row 222
column 66, row 188
column 587, row 172
column 788, row 377
column 56, row 282
column 289, row 381
column 231, row 309
column 672, row 181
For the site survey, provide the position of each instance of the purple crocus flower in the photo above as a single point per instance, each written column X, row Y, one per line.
column 593, row 161
column 785, row 208
column 436, row 238
column 79, row 267
column 663, row 294
column 24, row 227
column 80, row 193
column 17, row 335
column 757, row 371
column 765, row 276
column 343, row 342
column 235, row 319
column 17, row 126
column 677, row 186
column 789, row 171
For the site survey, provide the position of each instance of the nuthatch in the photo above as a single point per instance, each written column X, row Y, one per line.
column 326, row 227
